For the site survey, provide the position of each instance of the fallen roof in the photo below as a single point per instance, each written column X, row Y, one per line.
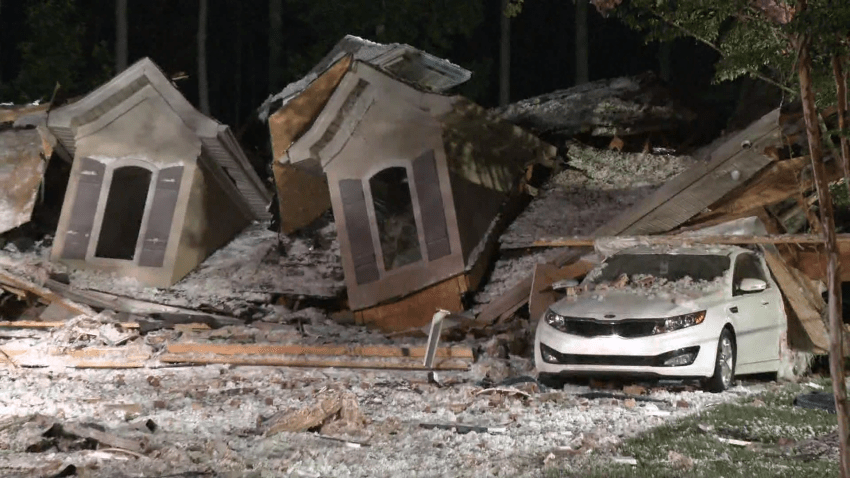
column 217, row 139
column 403, row 61
column 738, row 158
column 618, row 106
column 21, row 169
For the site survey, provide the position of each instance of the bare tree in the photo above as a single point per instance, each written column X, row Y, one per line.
column 203, row 85
column 505, row 57
column 582, row 42
column 120, row 35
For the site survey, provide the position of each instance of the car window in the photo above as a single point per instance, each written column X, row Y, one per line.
column 672, row 267
column 747, row 266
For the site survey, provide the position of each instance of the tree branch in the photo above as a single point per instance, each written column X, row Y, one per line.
column 714, row 47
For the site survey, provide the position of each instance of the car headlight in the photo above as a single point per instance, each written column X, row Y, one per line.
column 555, row 320
column 679, row 322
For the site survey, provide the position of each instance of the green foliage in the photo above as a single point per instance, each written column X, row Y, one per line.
column 762, row 422
column 752, row 41
column 55, row 52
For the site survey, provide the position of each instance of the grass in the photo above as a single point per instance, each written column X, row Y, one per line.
column 747, row 419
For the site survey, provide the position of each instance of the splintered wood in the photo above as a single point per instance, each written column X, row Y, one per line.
column 376, row 356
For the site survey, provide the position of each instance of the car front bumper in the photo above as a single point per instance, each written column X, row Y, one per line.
column 614, row 355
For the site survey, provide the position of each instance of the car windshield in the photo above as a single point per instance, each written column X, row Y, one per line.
column 671, row 267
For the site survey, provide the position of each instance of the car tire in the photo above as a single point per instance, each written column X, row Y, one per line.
column 724, row 363
column 551, row 380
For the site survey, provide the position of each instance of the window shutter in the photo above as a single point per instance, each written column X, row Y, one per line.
column 431, row 206
column 359, row 231
column 78, row 232
column 160, row 217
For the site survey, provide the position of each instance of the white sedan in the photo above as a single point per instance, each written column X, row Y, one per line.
column 694, row 312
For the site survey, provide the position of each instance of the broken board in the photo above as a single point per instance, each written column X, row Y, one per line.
column 542, row 295
column 376, row 356
column 727, row 167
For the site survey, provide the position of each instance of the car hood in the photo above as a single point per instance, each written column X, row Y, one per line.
column 627, row 304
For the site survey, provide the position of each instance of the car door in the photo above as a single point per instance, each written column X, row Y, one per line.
column 754, row 314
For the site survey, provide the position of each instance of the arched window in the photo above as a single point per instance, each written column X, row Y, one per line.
column 122, row 216
column 394, row 214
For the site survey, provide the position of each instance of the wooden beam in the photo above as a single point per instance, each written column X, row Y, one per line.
column 806, row 304
column 49, row 296
column 384, row 351
column 729, row 239
column 295, row 361
column 105, row 300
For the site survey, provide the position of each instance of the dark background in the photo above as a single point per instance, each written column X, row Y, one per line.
column 73, row 41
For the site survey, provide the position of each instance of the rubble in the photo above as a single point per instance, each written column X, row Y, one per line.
column 618, row 107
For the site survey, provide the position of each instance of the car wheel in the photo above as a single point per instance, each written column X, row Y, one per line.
column 724, row 365
column 551, row 380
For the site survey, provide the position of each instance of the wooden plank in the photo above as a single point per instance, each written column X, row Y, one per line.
column 542, row 295
column 730, row 239
column 811, row 261
column 49, row 296
column 510, row 300
column 806, row 305
column 284, row 361
column 90, row 357
column 518, row 295
column 713, row 179
column 388, row 351
column 773, row 184
column 415, row 310
column 105, row 300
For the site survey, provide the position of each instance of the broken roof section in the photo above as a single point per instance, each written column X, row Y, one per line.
column 417, row 180
column 155, row 186
column 23, row 161
column 613, row 107
column 403, row 61
column 218, row 143
column 725, row 167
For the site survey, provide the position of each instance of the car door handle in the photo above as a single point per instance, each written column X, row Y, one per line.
column 734, row 310
column 764, row 302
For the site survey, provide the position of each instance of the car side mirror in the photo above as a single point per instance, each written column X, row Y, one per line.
column 752, row 285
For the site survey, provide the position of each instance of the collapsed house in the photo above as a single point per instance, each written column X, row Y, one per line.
column 416, row 178
column 155, row 186
column 23, row 161
column 756, row 173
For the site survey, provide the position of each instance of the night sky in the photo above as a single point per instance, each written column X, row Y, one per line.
column 165, row 30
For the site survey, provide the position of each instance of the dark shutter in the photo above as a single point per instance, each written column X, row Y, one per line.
column 359, row 231
column 431, row 206
column 160, row 217
column 78, row 232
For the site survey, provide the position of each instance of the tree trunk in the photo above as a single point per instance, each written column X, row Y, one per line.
column 203, row 85
column 841, row 90
column 275, row 44
column 237, row 72
column 665, row 60
column 582, row 43
column 1, row 59
column 836, row 322
column 505, row 58
column 121, row 50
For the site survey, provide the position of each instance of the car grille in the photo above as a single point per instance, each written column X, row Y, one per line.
column 629, row 328
column 615, row 360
